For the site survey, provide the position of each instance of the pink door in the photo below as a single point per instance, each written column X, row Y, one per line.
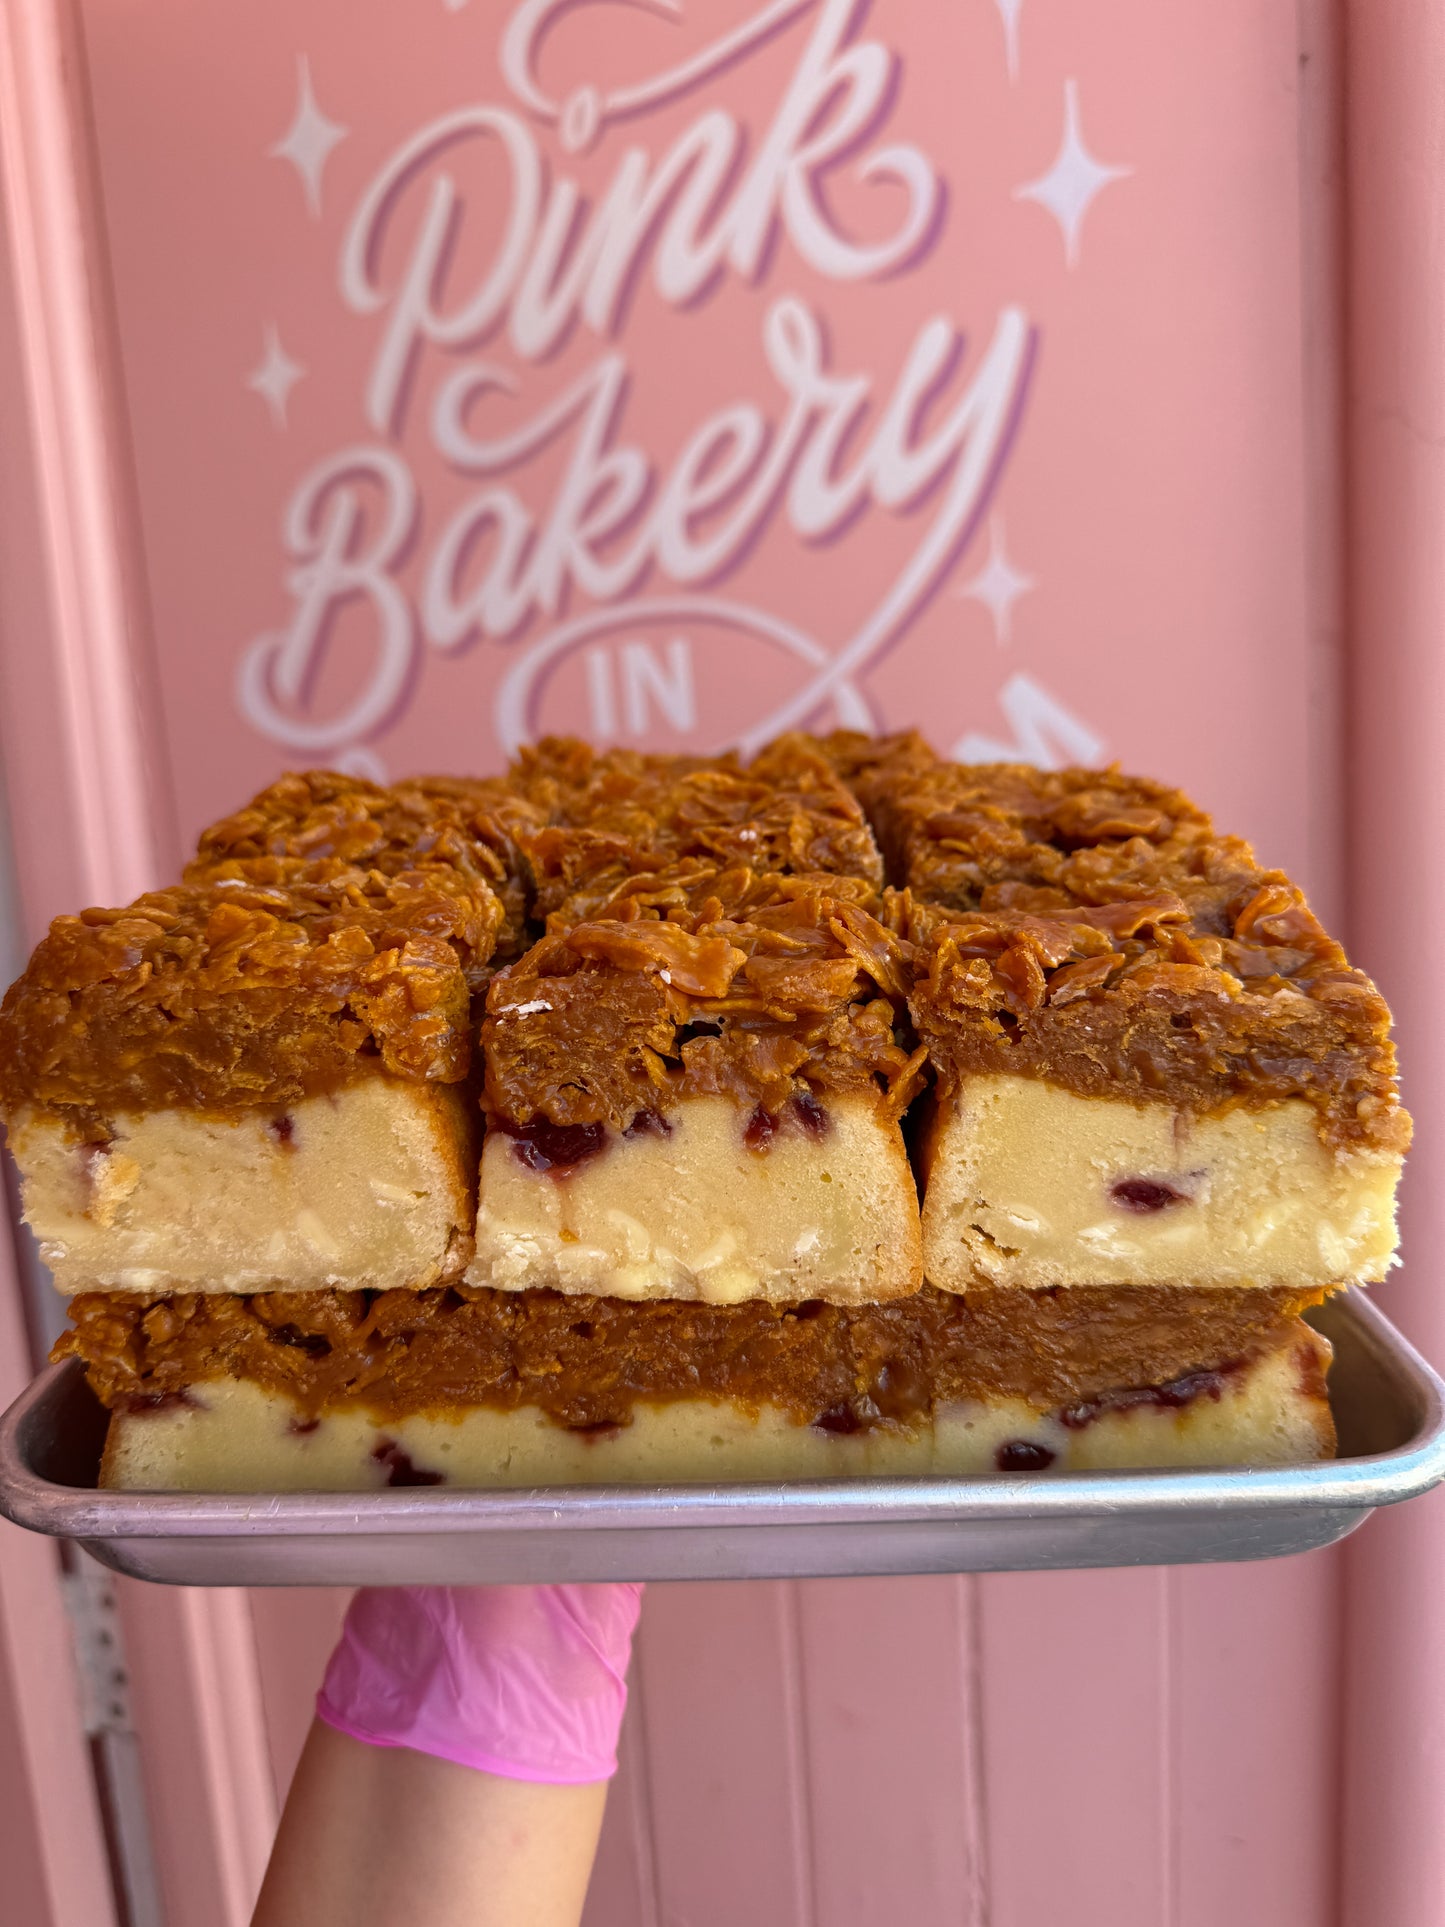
column 382, row 386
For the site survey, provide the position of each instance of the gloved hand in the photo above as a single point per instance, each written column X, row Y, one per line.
column 526, row 1681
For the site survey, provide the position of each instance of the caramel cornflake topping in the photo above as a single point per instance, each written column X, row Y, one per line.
column 221, row 995
column 713, row 927
column 697, row 981
column 953, row 833
column 1093, row 929
column 587, row 1362
column 320, row 823
column 616, row 814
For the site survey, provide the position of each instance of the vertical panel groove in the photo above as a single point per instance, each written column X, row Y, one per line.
column 799, row 1775
column 977, row 1910
column 644, row 1831
column 1169, row 1707
column 91, row 635
column 1394, row 1633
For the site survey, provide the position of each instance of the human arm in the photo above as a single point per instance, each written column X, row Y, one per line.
column 459, row 1762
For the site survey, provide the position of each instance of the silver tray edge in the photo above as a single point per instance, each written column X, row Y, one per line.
column 1347, row 1486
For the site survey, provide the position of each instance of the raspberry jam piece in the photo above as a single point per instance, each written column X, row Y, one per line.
column 841, row 1420
column 1146, row 1195
column 648, row 1124
column 599, row 1428
column 555, row 1147
column 283, row 1129
column 810, row 1114
column 314, row 1344
column 139, row 1402
column 399, row 1468
column 802, row 1110
column 92, row 1160
column 1172, row 1396
column 1023, row 1455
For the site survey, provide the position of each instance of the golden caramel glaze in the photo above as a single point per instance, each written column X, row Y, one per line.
column 615, row 814
column 870, row 765
column 219, row 996
column 700, row 981
column 317, row 823
column 588, row 1361
column 973, row 836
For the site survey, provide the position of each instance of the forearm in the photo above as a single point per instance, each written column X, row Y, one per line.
column 381, row 1836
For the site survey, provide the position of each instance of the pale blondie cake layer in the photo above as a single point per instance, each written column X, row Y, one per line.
column 1267, row 1409
column 368, row 1186
column 1029, row 1185
column 697, row 1094
column 1151, row 1064
column 709, row 1200
column 230, row 1085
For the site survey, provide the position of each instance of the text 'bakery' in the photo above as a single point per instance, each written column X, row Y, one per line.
column 640, row 1118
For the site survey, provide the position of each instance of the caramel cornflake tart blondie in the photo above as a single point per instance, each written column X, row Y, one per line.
column 233, row 1085
column 571, row 1126
column 713, row 1059
column 1151, row 1064
column 475, row 1387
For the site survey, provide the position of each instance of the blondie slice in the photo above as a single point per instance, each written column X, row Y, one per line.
column 346, row 1390
column 229, row 1086
column 696, row 1094
column 1151, row 1063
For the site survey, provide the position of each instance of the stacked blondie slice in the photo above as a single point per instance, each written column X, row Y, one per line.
column 572, row 1126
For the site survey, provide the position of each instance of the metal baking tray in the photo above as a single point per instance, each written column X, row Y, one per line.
column 1389, row 1408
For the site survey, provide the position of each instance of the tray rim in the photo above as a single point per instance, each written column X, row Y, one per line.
column 1357, row 1484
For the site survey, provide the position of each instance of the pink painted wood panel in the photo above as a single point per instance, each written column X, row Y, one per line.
column 623, row 1891
column 1394, row 1738
column 90, row 813
column 206, row 1769
column 50, row 1875
column 1173, row 303
column 1256, row 1743
column 1077, row 1736
column 295, row 1629
column 22, row 1835
column 888, row 1691
column 725, row 1760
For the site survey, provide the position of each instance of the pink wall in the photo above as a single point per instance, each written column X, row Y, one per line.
column 1395, row 1726
column 1133, row 1747
column 53, row 1875
column 1140, row 454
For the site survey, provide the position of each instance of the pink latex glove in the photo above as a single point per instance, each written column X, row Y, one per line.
column 526, row 1681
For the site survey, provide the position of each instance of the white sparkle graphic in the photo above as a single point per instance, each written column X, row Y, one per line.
column 1074, row 179
column 276, row 377
column 998, row 584
column 309, row 139
column 1008, row 13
